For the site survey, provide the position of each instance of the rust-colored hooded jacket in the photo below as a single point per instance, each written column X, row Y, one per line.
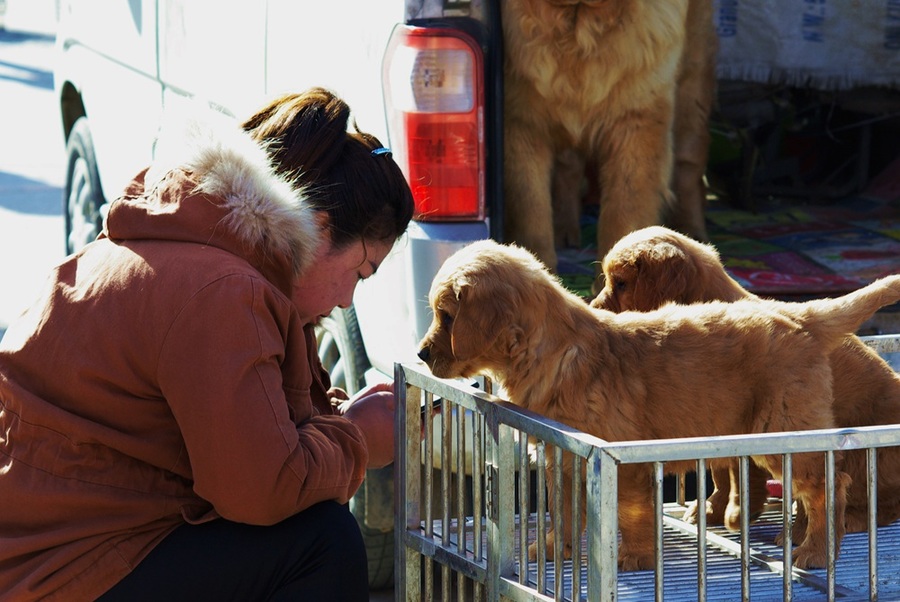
column 164, row 377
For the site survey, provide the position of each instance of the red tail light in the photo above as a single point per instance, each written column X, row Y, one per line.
column 435, row 105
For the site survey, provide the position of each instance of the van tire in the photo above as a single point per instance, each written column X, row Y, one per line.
column 83, row 195
column 343, row 356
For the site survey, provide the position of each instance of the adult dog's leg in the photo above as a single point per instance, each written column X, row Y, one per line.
column 635, row 168
column 528, row 166
column 568, row 177
column 694, row 100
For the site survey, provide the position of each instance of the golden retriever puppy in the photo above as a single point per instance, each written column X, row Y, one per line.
column 655, row 265
column 746, row 367
column 620, row 84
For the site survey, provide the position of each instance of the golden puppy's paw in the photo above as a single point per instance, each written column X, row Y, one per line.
column 779, row 539
column 691, row 515
column 798, row 532
column 714, row 513
column 635, row 560
column 533, row 549
column 857, row 521
column 732, row 518
column 810, row 557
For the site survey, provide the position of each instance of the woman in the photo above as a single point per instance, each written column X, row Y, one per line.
column 166, row 428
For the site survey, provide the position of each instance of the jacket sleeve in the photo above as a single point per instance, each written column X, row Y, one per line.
column 235, row 370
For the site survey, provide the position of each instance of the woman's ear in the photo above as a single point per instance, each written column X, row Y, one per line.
column 322, row 220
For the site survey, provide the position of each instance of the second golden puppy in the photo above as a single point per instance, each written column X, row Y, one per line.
column 498, row 311
column 655, row 265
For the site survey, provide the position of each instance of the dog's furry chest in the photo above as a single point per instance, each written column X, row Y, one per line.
column 579, row 74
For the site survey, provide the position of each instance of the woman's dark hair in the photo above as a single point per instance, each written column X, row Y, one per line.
column 364, row 193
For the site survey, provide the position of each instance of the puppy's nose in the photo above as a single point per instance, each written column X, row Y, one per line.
column 424, row 354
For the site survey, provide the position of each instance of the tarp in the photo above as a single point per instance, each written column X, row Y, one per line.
column 821, row 44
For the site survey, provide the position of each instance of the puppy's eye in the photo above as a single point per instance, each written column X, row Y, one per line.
column 620, row 285
column 446, row 319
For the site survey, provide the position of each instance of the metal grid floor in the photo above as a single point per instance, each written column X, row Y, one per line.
column 724, row 565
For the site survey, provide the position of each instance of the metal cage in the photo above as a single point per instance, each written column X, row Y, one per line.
column 468, row 497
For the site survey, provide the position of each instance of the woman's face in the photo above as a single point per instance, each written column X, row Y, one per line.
column 331, row 279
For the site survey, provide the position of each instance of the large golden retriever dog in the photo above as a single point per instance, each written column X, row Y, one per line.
column 655, row 265
column 620, row 83
column 746, row 367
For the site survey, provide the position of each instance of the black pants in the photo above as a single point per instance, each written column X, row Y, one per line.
column 316, row 555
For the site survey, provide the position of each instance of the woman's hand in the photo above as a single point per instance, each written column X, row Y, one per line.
column 372, row 410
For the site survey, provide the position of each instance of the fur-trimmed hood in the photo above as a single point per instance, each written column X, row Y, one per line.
column 213, row 184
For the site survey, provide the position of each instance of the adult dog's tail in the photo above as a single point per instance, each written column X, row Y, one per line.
column 831, row 319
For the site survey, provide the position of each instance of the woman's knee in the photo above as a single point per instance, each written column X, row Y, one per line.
column 340, row 531
column 332, row 563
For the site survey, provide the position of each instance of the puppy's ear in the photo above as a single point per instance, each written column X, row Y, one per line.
column 476, row 325
column 665, row 274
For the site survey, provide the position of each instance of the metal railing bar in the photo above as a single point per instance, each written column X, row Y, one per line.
column 446, row 441
column 446, row 444
column 460, row 479
column 541, row 524
column 787, row 521
column 477, row 485
column 519, row 592
column 872, row 487
column 701, row 528
column 744, row 470
column 430, row 547
column 669, row 450
column 830, row 532
column 460, row 498
column 524, row 493
column 428, row 486
column 658, row 574
column 602, row 526
column 883, row 343
column 558, row 513
column 428, row 473
column 577, row 527
column 501, row 523
column 406, row 573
